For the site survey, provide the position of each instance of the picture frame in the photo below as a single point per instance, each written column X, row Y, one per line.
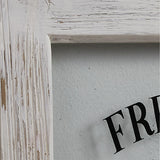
column 27, row 29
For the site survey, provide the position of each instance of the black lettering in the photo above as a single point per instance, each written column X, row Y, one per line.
column 156, row 112
column 114, row 132
column 140, row 121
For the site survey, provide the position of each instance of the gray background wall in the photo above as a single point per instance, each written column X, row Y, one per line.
column 92, row 81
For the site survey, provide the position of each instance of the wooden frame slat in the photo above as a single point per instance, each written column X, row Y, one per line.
column 25, row 88
column 104, row 21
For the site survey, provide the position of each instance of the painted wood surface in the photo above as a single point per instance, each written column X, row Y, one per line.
column 25, row 59
column 89, row 21
column 25, row 83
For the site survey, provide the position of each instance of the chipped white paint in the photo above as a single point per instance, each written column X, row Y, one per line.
column 25, row 88
column 25, row 59
column 89, row 21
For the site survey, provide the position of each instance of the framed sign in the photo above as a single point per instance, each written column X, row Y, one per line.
column 27, row 29
column 105, row 105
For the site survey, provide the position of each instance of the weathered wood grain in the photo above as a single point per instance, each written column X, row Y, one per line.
column 25, row 88
column 89, row 21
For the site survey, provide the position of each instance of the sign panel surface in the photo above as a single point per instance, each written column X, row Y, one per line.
column 93, row 82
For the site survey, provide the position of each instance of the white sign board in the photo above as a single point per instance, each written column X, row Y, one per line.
column 92, row 82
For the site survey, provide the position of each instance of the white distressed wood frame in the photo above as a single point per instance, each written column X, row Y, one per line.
column 26, row 117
